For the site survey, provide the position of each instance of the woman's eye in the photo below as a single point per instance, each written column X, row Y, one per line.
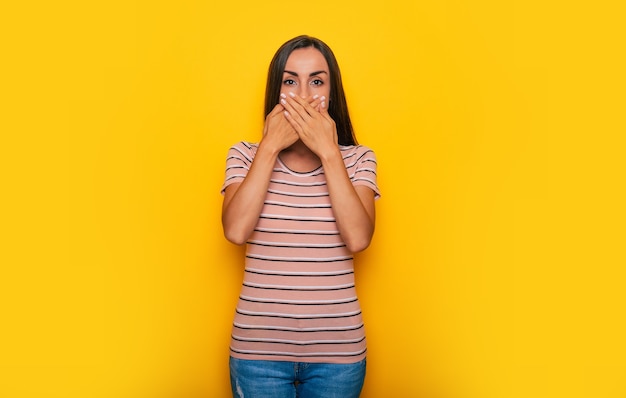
column 289, row 82
column 317, row 82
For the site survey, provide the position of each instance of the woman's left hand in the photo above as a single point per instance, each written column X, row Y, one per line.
column 312, row 122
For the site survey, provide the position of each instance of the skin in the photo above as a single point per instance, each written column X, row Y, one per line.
column 300, row 131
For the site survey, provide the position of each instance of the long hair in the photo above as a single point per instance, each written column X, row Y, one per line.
column 337, row 105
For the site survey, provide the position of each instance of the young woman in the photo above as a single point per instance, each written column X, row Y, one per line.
column 302, row 199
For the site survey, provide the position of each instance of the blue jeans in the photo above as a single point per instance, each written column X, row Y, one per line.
column 277, row 379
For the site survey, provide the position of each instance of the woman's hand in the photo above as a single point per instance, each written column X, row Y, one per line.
column 311, row 122
column 278, row 133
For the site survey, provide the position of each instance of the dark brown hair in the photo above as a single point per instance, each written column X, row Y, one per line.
column 337, row 106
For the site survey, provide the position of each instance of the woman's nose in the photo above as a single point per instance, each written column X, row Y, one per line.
column 303, row 92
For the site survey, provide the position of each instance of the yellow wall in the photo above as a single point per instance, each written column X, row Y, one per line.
column 497, row 269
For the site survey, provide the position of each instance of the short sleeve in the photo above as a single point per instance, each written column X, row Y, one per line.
column 238, row 163
column 365, row 170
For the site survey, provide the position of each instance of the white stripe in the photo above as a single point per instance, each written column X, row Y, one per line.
column 300, row 206
column 298, row 184
column 302, row 244
column 296, row 354
column 230, row 176
column 279, row 272
column 277, row 301
column 365, row 179
column 312, row 259
column 291, row 287
column 320, row 329
column 300, row 231
column 340, row 314
column 311, row 195
column 296, row 218
column 237, row 156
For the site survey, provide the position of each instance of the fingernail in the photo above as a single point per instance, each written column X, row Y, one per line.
column 291, row 94
column 323, row 98
column 323, row 104
column 282, row 101
column 282, row 95
column 315, row 96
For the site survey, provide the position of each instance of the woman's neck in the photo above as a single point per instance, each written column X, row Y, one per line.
column 298, row 157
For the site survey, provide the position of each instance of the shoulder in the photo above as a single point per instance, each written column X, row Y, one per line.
column 244, row 149
column 245, row 146
column 357, row 152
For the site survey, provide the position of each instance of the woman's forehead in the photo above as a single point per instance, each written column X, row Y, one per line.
column 306, row 59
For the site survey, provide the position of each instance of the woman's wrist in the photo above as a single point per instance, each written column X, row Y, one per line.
column 267, row 149
column 330, row 155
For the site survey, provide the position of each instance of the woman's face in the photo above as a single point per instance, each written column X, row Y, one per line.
column 306, row 74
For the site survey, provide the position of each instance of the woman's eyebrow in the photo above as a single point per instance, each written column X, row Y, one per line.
column 310, row 75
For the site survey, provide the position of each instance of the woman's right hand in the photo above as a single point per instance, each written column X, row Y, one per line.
column 278, row 132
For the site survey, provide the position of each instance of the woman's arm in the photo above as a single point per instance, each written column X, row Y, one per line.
column 352, row 206
column 244, row 201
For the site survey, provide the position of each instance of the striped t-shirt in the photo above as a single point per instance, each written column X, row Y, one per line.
column 298, row 301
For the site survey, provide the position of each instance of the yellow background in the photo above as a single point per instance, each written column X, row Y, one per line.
column 497, row 269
